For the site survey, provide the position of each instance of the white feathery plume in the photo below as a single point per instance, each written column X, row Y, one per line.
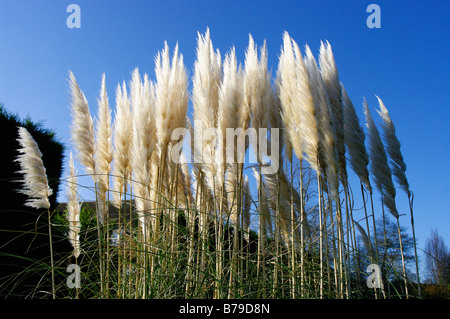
column 330, row 77
column 246, row 209
column 392, row 143
column 379, row 164
column 205, row 98
column 327, row 143
column 307, row 109
column 288, row 95
column 35, row 183
column 103, row 150
column 206, row 82
column 257, row 88
column 82, row 128
column 230, row 102
column 73, row 209
column 123, row 134
column 355, row 139
column 257, row 85
column 143, row 143
column 171, row 96
column 171, row 103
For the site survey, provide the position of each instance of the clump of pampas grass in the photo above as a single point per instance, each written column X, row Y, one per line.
column 192, row 219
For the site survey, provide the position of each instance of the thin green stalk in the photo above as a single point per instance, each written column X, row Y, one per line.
column 293, row 257
column 403, row 259
column 377, row 254
column 100, row 242
column 236, row 249
column 336, row 267
column 51, row 254
column 218, row 237
column 350, row 240
column 372, row 260
column 385, row 247
column 320, row 236
column 191, row 226
column 261, row 243
column 277, row 237
column 410, row 200
column 77, row 290
column 241, row 221
column 107, row 242
column 302, row 247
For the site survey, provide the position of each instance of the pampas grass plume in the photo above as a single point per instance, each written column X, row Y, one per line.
column 205, row 98
column 103, row 147
column 355, row 139
column 123, row 134
column 82, row 127
column 328, row 156
column 330, row 77
column 35, row 183
column 307, row 109
column 288, row 95
column 379, row 164
column 73, row 209
column 393, row 148
column 143, row 142
column 103, row 150
column 171, row 95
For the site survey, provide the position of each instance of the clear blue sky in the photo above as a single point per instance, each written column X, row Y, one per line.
column 405, row 62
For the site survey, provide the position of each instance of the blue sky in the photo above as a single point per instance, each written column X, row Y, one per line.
column 405, row 62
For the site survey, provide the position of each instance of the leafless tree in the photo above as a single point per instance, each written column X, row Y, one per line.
column 437, row 259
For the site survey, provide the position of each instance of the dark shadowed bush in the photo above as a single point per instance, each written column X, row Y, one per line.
column 24, row 243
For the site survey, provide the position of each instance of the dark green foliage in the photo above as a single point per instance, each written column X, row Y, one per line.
column 50, row 147
column 24, row 240
column 433, row 291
